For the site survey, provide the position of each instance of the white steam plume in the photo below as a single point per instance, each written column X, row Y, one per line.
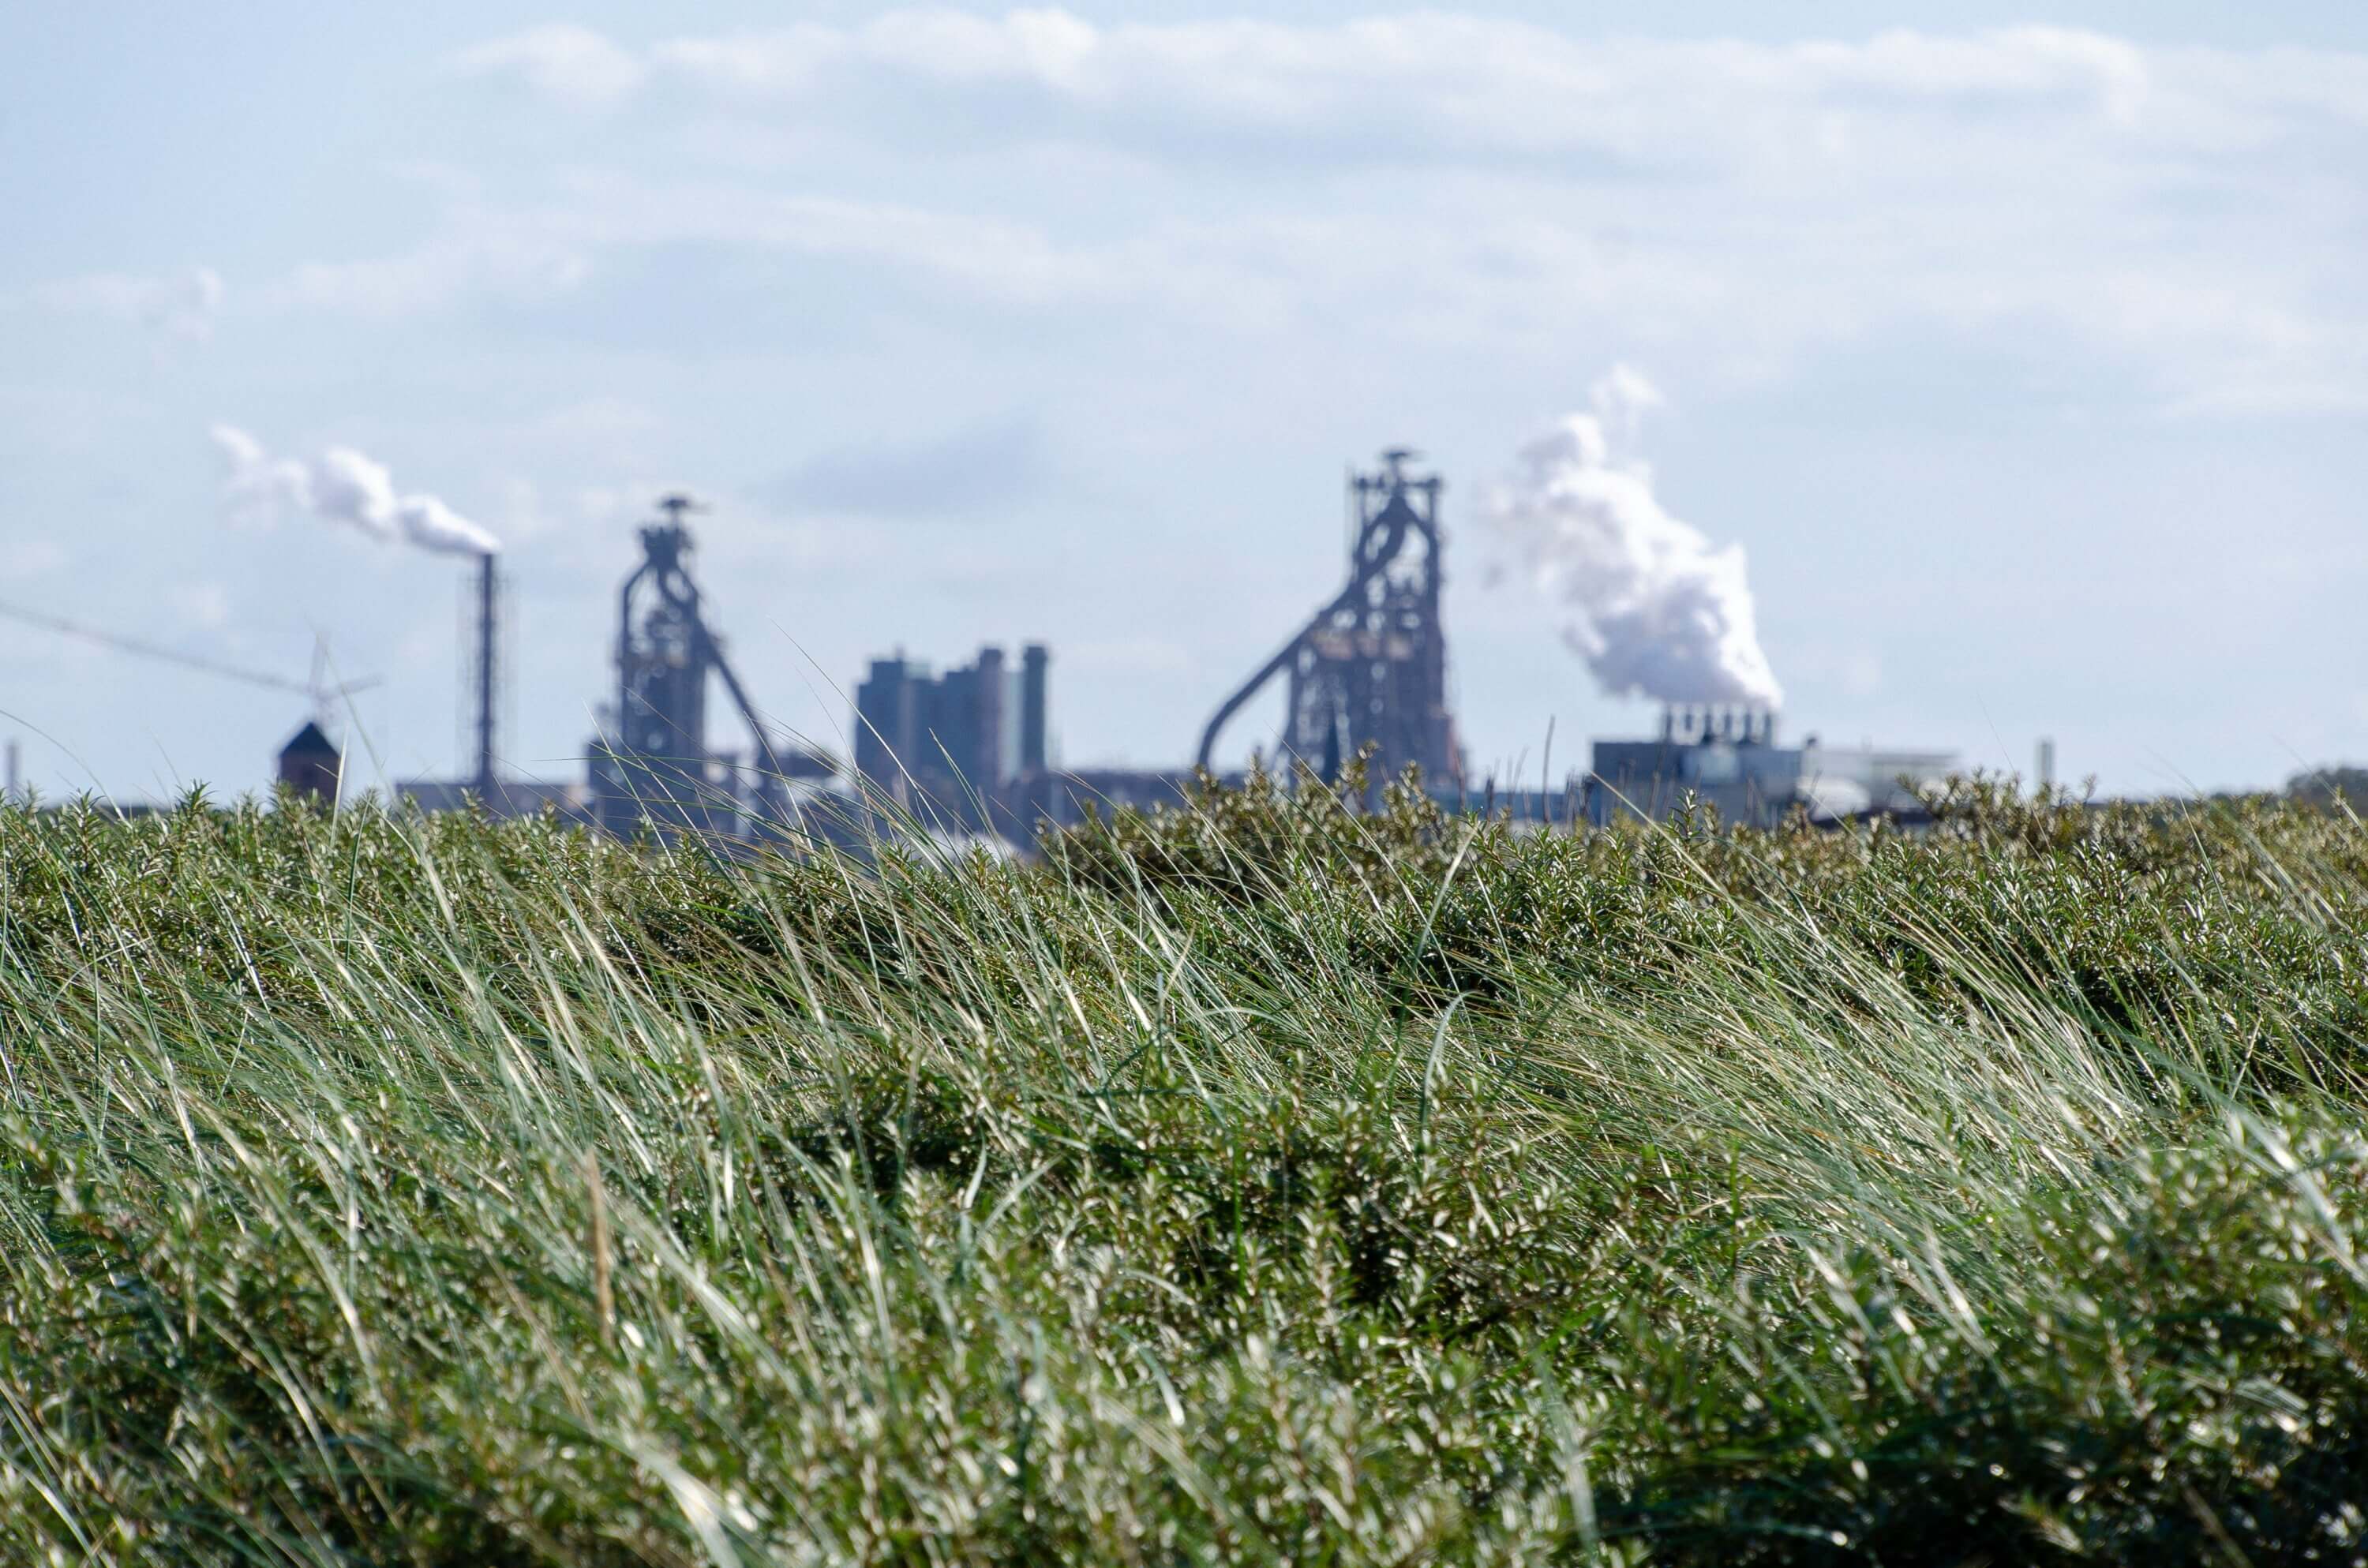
column 341, row 485
column 1652, row 608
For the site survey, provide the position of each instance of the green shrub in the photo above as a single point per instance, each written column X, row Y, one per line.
column 1256, row 1181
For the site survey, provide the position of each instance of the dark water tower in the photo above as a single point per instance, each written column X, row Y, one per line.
column 310, row 764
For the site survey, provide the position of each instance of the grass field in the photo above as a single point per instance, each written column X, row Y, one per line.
column 1254, row 1184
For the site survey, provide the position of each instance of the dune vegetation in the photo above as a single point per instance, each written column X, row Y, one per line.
column 1255, row 1182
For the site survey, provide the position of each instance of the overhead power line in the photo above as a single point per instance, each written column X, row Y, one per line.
column 315, row 689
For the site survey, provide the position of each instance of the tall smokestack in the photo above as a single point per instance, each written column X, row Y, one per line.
column 488, row 669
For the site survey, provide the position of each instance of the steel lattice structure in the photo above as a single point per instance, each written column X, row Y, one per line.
column 660, row 768
column 1370, row 669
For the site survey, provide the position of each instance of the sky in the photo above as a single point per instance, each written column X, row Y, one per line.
column 2022, row 354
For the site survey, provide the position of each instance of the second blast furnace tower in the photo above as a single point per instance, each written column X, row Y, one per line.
column 1371, row 668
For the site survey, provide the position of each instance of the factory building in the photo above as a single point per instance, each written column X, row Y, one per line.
column 958, row 749
column 1728, row 759
column 966, row 752
column 1839, row 783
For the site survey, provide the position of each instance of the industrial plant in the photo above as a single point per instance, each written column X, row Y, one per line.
column 963, row 752
column 966, row 755
column 1370, row 669
column 1727, row 760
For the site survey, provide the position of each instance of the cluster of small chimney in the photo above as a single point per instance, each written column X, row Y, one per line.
column 1701, row 723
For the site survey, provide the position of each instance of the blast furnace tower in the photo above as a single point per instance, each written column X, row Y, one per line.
column 1371, row 667
column 652, row 762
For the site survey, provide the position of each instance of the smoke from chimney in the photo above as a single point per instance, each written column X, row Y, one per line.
column 1652, row 608
column 342, row 485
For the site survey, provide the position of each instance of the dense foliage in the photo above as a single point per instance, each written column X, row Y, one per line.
column 1257, row 1182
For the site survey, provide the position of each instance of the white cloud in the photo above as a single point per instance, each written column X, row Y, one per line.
column 538, row 255
column 494, row 259
column 1049, row 47
column 2033, row 64
column 1476, row 83
column 1471, row 184
column 571, row 64
column 181, row 305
